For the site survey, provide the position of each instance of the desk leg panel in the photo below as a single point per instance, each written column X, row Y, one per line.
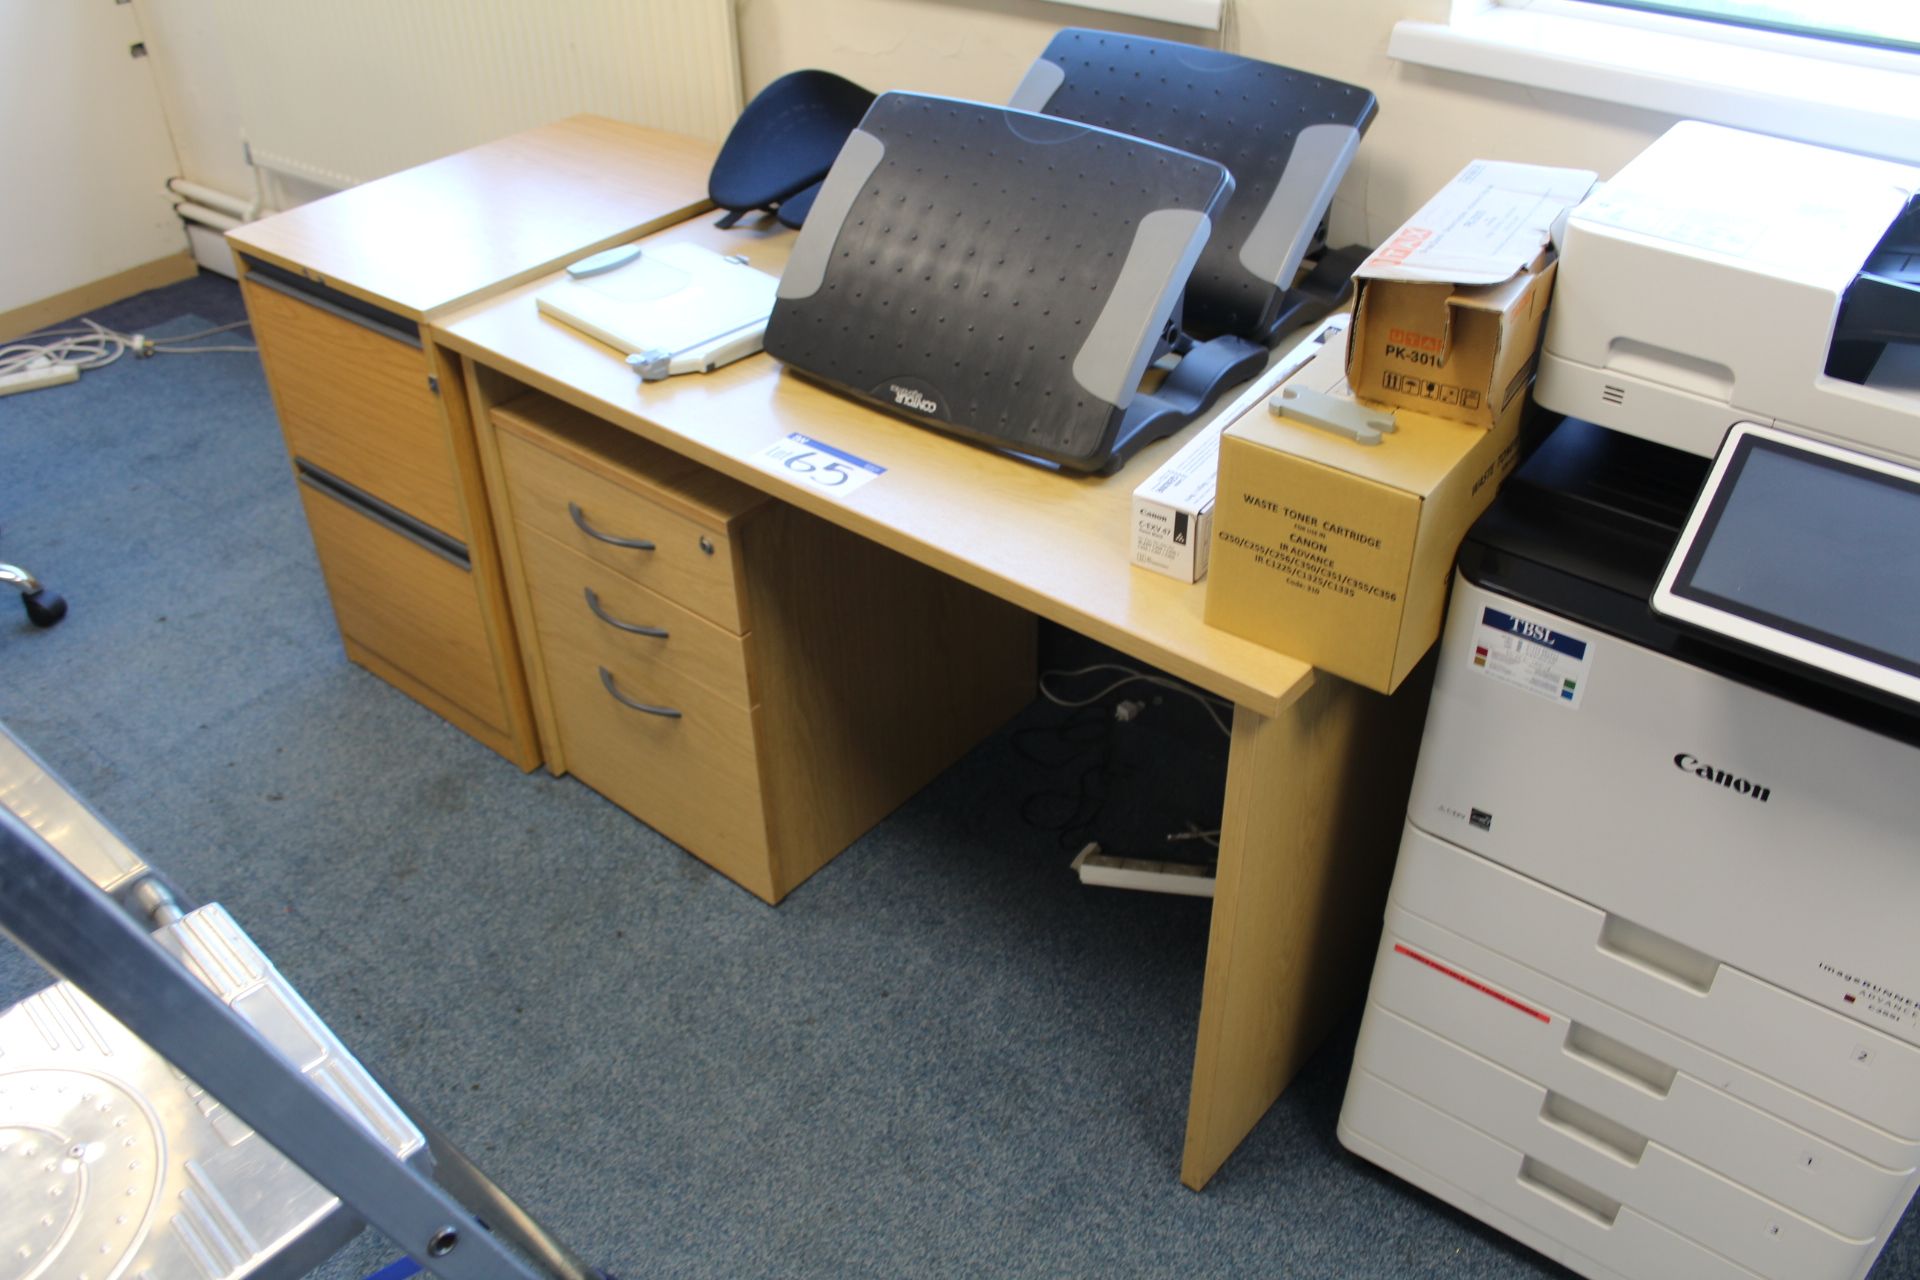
column 876, row 674
column 484, row 551
column 485, row 389
column 1315, row 799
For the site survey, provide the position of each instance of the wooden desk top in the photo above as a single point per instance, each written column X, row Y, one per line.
column 439, row 234
column 1052, row 543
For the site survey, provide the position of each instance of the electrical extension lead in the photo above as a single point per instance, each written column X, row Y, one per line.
column 1128, row 675
column 40, row 373
column 1141, row 874
column 1193, row 832
column 1083, row 742
column 91, row 345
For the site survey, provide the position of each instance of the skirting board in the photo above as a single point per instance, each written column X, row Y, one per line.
column 89, row 297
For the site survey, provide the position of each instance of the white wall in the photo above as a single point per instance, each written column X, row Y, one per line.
column 339, row 92
column 94, row 205
column 196, row 84
column 85, row 151
column 1431, row 123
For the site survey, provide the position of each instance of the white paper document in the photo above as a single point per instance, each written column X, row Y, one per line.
column 1795, row 210
column 1489, row 222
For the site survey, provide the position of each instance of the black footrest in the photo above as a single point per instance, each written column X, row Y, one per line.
column 1001, row 275
column 1286, row 136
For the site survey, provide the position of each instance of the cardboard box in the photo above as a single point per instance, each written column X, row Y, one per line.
column 1447, row 312
column 1340, row 553
column 1171, row 521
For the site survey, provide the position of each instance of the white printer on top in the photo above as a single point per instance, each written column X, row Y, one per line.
column 1648, row 996
column 1724, row 276
column 1733, row 294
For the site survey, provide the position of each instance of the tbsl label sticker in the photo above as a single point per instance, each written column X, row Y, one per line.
column 1532, row 656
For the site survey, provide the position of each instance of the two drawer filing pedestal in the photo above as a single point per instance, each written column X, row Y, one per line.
column 341, row 292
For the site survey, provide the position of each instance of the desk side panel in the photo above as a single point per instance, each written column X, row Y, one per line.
column 876, row 673
column 486, row 390
column 1315, row 800
column 522, row 739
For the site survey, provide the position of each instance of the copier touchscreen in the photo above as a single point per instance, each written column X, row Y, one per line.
column 1809, row 552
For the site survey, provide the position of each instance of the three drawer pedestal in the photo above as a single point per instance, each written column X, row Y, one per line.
column 750, row 681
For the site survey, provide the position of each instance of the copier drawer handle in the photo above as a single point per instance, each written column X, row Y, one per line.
column 580, row 521
column 606, row 678
column 593, row 603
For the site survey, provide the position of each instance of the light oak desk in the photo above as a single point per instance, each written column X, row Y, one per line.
column 1317, row 769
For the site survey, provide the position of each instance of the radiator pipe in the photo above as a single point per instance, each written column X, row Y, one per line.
column 205, row 216
column 207, row 197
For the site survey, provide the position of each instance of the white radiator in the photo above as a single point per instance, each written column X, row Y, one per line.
column 340, row 91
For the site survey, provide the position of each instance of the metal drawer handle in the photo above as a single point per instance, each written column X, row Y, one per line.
column 580, row 520
column 593, row 603
column 606, row 678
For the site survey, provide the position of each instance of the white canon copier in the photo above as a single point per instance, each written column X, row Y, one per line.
column 1648, row 994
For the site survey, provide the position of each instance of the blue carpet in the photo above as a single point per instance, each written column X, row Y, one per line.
column 940, row 1057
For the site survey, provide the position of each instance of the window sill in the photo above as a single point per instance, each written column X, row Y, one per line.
column 1857, row 108
column 1186, row 13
